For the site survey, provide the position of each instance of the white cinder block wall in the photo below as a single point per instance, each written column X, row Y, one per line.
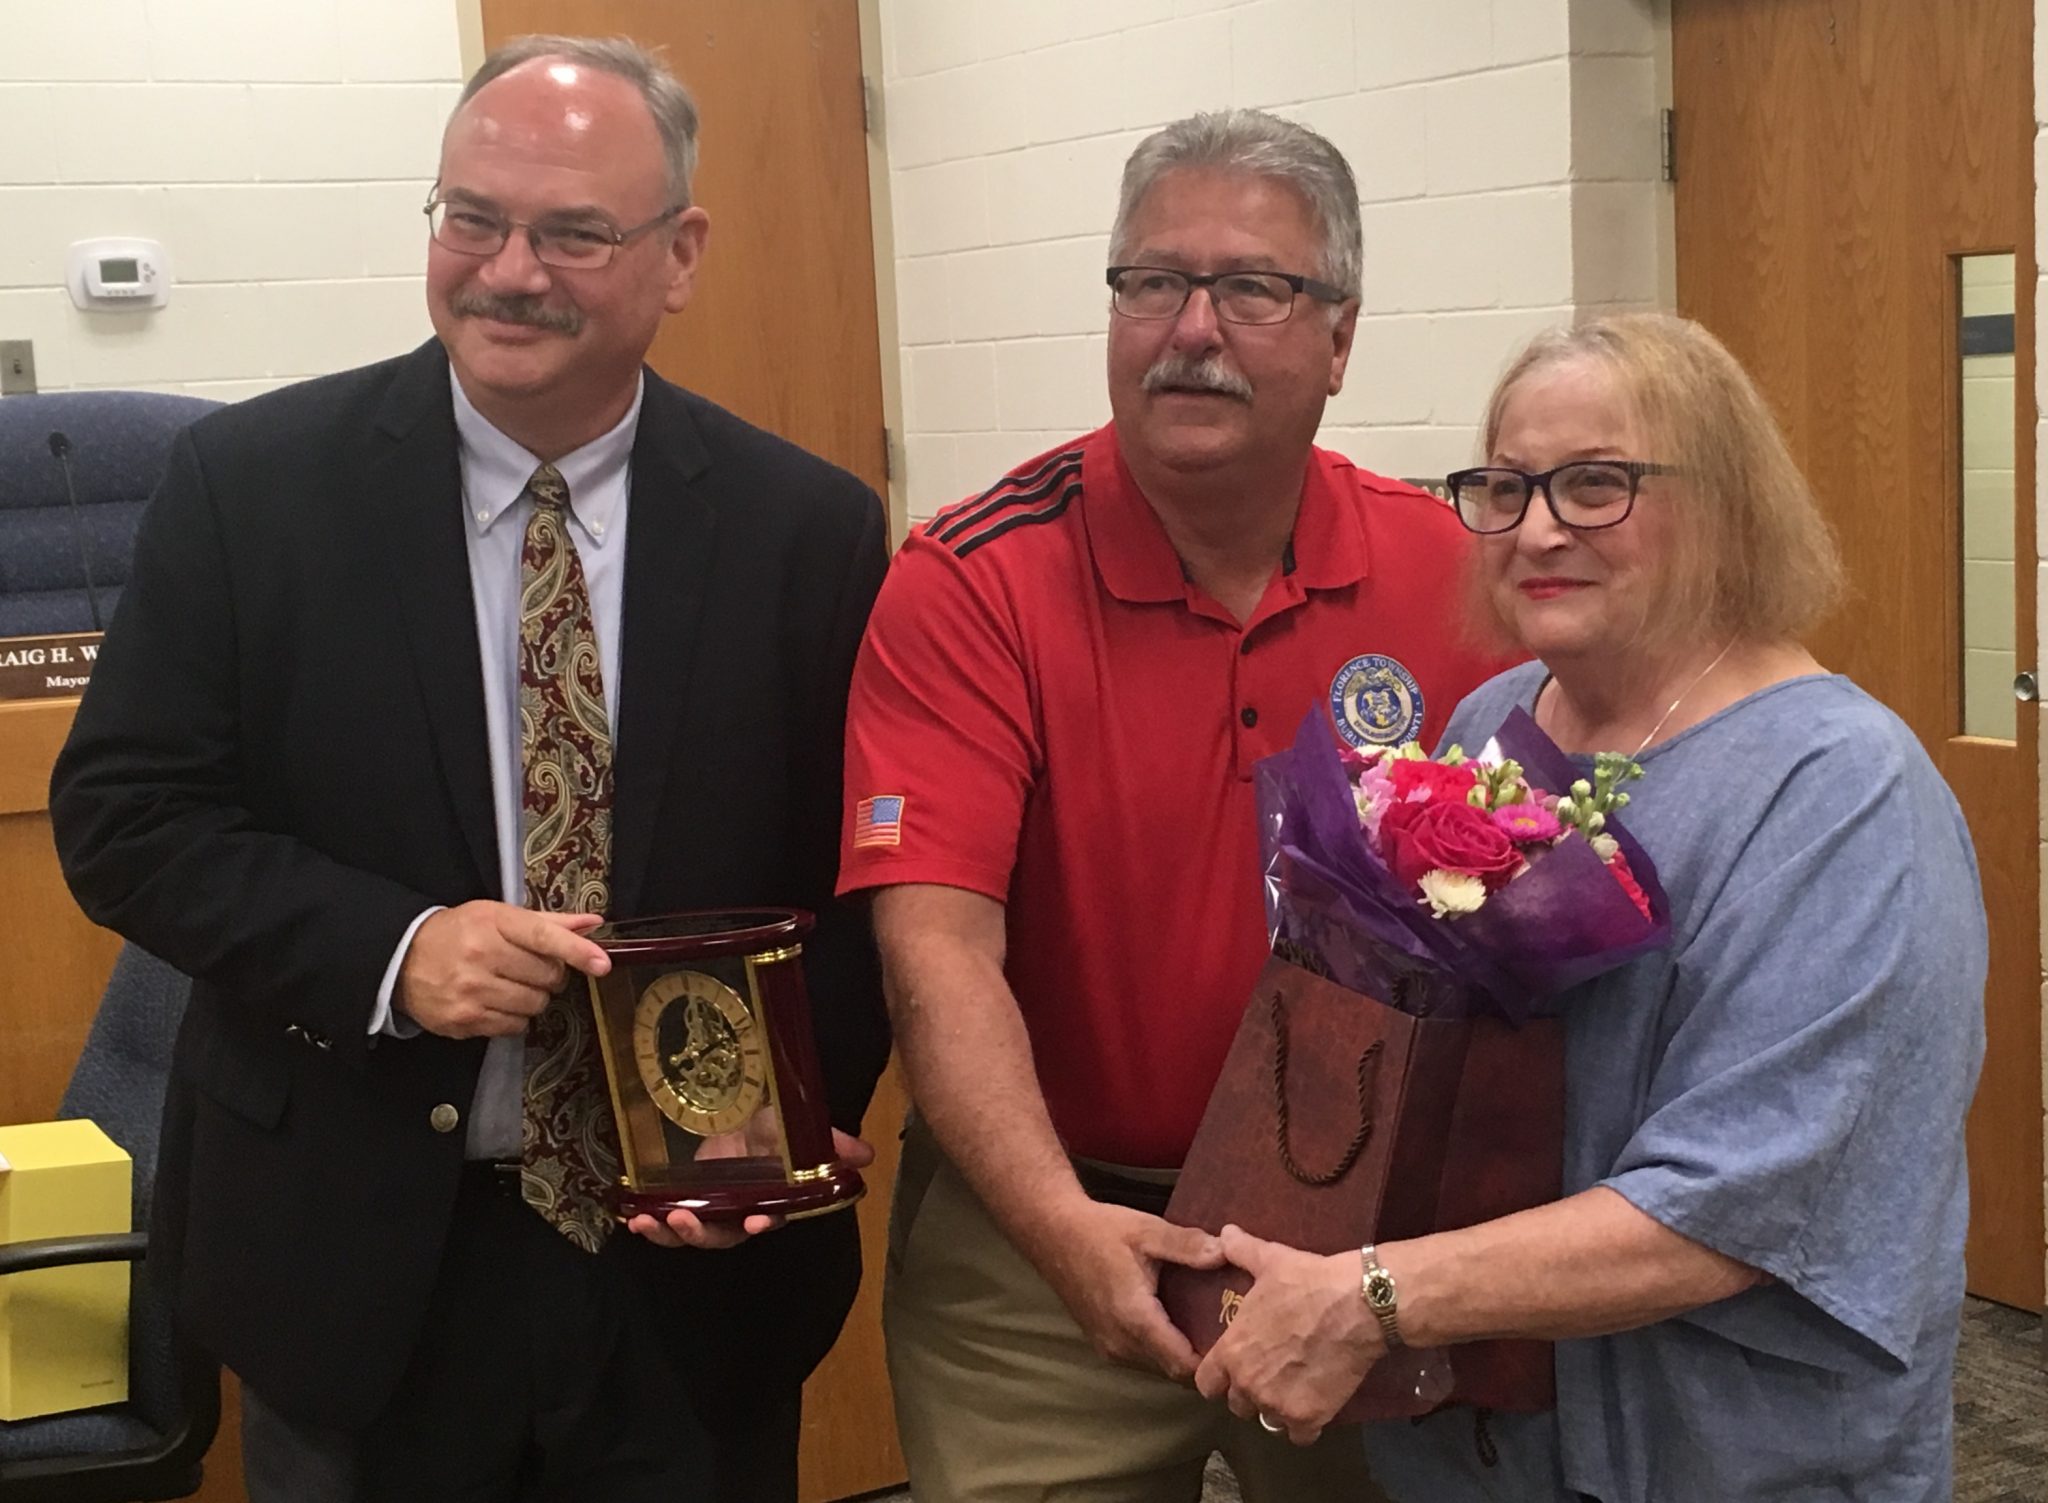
column 280, row 150
column 1506, row 153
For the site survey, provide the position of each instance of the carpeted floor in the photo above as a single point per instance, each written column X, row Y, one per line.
column 2001, row 1414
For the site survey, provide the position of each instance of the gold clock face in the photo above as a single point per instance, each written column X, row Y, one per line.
column 700, row 1052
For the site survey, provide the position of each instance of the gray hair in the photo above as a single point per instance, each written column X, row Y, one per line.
column 1262, row 145
column 674, row 112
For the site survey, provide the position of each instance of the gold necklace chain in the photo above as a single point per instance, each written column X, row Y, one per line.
column 1673, row 708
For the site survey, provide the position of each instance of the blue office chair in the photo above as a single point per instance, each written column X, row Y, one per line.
column 149, row 1447
column 67, row 520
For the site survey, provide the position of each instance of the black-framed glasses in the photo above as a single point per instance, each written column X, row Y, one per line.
column 572, row 242
column 1586, row 495
column 1240, row 297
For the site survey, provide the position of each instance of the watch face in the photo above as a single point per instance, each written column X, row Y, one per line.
column 699, row 1052
column 1379, row 1289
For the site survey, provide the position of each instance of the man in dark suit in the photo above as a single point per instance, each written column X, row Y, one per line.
column 421, row 666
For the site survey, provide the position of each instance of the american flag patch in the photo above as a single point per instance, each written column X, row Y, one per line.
column 878, row 821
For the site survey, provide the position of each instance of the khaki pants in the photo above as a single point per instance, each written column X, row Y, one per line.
column 1001, row 1399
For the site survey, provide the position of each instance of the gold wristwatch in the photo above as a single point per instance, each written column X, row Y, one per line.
column 1377, row 1286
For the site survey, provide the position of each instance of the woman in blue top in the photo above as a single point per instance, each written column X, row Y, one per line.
column 1755, row 1276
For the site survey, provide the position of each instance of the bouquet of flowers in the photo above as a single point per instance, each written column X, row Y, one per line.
column 1456, row 886
column 1399, row 1070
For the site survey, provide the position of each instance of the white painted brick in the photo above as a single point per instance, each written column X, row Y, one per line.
column 949, row 388
column 1051, row 192
column 1386, row 380
column 329, row 132
column 42, row 314
column 1509, row 128
column 1409, row 453
column 400, row 41
column 1285, row 51
column 28, row 145
column 262, row 232
column 1381, row 135
column 1052, row 383
column 205, row 333
column 1064, row 286
column 1174, row 69
column 1615, row 26
column 930, row 480
column 984, row 458
column 1497, row 249
column 986, row 291
column 1468, row 353
column 42, row 222
column 1400, row 41
column 940, row 208
column 163, row 133
column 923, row 36
column 962, row 112
column 1027, row 25
column 923, row 309
column 1532, row 233
column 1614, row 238
column 312, row 328
column 1614, row 120
column 73, row 40
column 392, row 226
column 234, row 41
column 1073, row 90
column 1526, row 31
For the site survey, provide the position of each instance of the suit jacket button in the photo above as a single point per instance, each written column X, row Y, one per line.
column 444, row 1118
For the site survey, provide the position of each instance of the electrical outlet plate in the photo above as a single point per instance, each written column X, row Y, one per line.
column 17, row 367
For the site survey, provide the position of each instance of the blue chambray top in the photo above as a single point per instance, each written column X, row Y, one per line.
column 1785, row 1083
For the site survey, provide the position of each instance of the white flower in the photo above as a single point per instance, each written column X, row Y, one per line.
column 1604, row 846
column 1451, row 892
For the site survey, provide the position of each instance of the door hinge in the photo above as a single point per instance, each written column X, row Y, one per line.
column 869, row 105
column 1667, row 142
column 888, row 455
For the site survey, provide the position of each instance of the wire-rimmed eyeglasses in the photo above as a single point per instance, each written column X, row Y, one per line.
column 573, row 242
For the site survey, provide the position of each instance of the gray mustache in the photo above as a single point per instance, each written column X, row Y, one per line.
column 522, row 309
column 1208, row 374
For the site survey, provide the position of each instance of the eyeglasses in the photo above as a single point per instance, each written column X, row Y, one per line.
column 572, row 243
column 1240, row 297
column 1585, row 496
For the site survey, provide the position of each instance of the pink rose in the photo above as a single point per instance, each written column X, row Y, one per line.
column 1438, row 834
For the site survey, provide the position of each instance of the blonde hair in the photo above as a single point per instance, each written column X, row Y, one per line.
column 1756, row 560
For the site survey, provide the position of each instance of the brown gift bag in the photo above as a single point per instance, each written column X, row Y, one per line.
column 1339, row 1120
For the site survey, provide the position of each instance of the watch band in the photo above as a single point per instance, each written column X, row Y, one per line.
column 1376, row 1287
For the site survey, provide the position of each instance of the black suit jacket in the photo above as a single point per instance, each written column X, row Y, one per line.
column 281, row 761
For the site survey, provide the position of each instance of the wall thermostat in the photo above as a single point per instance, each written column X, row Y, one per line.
column 118, row 273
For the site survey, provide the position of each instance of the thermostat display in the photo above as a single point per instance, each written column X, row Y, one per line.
column 122, row 273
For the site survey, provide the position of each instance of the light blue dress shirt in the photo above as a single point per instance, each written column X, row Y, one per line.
column 495, row 470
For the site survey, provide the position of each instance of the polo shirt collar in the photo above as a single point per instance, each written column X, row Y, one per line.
column 1136, row 559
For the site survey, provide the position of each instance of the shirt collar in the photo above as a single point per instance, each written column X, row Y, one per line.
column 495, row 468
column 1136, row 559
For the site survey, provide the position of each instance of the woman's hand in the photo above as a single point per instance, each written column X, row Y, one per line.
column 1299, row 1345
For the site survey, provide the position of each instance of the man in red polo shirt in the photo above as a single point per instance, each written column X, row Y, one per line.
column 1063, row 690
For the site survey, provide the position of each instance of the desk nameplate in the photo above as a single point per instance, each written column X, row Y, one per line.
column 53, row 667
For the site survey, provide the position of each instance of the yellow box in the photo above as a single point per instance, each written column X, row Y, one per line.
column 63, row 1331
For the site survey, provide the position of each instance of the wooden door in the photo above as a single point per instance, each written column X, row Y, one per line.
column 1835, row 158
column 782, row 330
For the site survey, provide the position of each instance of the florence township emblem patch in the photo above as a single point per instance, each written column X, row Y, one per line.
column 1376, row 702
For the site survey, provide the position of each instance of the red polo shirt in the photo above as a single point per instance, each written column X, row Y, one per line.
column 1046, row 711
